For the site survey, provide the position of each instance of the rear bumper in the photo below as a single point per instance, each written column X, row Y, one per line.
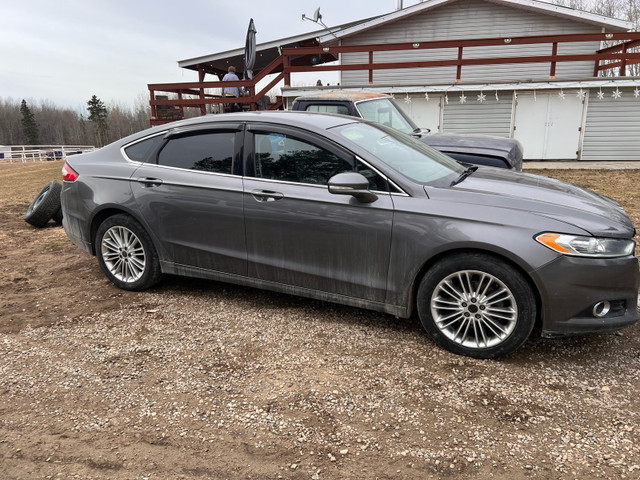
column 73, row 220
column 571, row 287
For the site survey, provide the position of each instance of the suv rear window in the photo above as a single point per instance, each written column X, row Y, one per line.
column 340, row 109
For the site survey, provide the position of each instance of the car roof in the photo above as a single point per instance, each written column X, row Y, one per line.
column 306, row 120
column 344, row 96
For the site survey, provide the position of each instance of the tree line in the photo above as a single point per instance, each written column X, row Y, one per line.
column 24, row 122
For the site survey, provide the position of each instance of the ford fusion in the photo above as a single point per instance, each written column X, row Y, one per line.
column 352, row 212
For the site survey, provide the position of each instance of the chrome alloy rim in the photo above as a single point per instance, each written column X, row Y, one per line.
column 123, row 254
column 474, row 309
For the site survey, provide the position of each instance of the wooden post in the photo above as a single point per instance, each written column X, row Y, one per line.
column 181, row 107
column 623, row 65
column 554, row 52
column 152, row 93
column 286, row 63
column 201, row 74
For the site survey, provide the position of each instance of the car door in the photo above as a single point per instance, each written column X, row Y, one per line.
column 191, row 198
column 298, row 233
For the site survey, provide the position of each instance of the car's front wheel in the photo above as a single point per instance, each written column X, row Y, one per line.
column 126, row 253
column 476, row 305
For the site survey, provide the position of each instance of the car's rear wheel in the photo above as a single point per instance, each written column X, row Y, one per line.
column 126, row 253
column 476, row 305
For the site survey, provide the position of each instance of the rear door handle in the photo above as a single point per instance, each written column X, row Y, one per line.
column 149, row 182
column 266, row 195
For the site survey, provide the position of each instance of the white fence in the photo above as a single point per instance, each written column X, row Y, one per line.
column 40, row 153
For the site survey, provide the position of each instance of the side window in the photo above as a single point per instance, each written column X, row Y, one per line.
column 139, row 152
column 282, row 157
column 376, row 182
column 204, row 151
column 341, row 109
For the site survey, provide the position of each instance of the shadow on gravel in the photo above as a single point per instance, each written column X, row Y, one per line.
column 266, row 300
column 569, row 351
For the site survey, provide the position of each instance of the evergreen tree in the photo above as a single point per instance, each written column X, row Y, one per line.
column 29, row 125
column 98, row 115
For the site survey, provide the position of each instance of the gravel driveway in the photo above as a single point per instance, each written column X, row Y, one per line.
column 199, row 379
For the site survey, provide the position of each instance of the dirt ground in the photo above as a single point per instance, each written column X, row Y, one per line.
column 198, row 379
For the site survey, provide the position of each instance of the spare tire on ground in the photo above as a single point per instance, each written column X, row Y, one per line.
column 44, row 206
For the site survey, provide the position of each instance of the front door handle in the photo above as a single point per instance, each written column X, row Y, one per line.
column 266, row 195
column 149, row 182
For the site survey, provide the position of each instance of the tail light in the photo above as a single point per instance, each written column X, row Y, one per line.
column 68, row 173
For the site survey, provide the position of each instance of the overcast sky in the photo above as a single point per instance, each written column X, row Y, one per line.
column 64, row 51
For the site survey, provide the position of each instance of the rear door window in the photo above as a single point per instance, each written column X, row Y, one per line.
column 203, row 151
column 141, row 151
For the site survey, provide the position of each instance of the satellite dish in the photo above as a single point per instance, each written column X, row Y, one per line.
column 316, row 16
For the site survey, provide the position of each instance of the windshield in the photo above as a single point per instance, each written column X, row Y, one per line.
column 386, row 112
column 403, row 153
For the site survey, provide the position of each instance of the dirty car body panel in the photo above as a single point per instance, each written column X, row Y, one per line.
column 279, row 210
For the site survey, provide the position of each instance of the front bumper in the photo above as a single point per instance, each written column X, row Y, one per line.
column 570, row 287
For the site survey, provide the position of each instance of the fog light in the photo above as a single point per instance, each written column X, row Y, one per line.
column 601, row 309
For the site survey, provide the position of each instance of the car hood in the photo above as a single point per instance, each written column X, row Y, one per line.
column 542, row 196
column 508, row 148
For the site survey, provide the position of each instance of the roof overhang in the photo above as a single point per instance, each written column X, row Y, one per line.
column 218, row 63
column 609, row 24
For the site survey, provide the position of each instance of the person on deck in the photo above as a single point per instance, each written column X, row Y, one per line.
column 231, row 91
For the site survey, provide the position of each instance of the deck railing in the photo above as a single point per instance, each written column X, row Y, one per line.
column 619, row 56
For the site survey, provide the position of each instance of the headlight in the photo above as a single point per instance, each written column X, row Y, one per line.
column 586, row 246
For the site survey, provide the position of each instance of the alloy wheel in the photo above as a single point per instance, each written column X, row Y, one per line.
column 474, row 309
column 123, row 254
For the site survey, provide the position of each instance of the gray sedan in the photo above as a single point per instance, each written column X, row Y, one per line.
column 353, row 212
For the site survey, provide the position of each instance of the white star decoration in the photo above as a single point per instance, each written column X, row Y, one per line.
column 407, row 99
column 463, row 98
column 446, row 98
column 636, row 92
column 497, row 97
column 482, row 97
column 581, row 94
column 600, row 95
column 562, row 95
column 426, row 96
column 617, row 94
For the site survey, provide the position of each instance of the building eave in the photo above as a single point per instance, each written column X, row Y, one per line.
column 609, row 24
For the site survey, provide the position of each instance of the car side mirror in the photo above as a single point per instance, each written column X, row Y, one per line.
column 354, row 184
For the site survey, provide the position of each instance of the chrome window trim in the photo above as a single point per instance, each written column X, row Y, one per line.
column 192, row 170
column 401, row 192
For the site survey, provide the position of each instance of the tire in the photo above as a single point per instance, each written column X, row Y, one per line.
column 57, row 217
column 476, row 305
column 44, row 206
column 126, row 253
